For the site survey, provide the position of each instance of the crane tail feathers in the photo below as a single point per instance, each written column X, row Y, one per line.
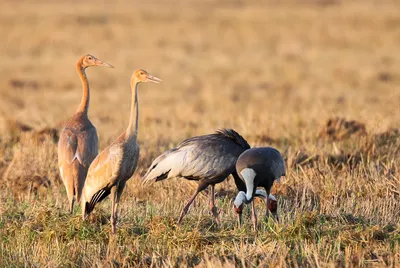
column 97, row 197
column 171, row 160
column 149, row 179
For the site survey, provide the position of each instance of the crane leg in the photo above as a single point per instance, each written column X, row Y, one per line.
column 113, row 218
column 71, row 205
column 69, row 186
column 266, row 209
column 253, row 215
column 239, row 218
column 213, row 208
column 186, row 208
column 84, row 211
column 116, row 196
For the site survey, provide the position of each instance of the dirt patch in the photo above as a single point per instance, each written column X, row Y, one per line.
column 24, row 185
column 43, row 134
column 388, row 137
column 300, row 157
column 24, row 84
column 28, row 185
column 265, row 139
column 16, row 128
column 341, row 160
column 340, row 129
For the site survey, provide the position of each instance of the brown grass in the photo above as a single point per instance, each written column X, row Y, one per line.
column 340, row 128
column 275, row 71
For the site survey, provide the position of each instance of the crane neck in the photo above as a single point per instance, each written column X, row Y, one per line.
column 84, row 105
column 132, row 130
column 240, row 185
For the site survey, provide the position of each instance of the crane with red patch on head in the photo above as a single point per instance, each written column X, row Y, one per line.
column 257, row 167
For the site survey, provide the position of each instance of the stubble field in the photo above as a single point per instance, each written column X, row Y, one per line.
column 275, row 71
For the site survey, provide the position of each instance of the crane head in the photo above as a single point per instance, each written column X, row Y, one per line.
column 90, row 60
column 273, row 206
column 142, row 76
column 239, row 202
column 241, row 199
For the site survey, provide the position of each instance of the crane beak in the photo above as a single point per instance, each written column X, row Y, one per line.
column 239, row 220
column 153, row 79
column 275, row 214
column 273, row 207
column 102, row 63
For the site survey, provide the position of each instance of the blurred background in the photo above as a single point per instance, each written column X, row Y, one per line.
column 278, row 68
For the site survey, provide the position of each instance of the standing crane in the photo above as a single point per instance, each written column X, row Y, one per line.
column 208, row 159
column 111, row 169
column 78, row 143
column 258, row 167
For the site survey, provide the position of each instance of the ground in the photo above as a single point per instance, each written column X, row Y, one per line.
column 317, row 79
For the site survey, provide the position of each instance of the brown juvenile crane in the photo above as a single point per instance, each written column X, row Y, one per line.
column 78, row 143
column 111, row 169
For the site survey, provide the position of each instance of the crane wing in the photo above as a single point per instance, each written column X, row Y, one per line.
column 102, row 174
column 87, row 148
column 196, row 158
column 82, row 146
column 67, row 145
column 210, row 160
column 163, row 164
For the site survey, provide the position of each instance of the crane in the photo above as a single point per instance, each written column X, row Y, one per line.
column 208, row 159
column 78, row 142
column 257, row 167
column 111, row 169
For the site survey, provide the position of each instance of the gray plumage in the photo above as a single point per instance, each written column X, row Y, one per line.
column 202, row 157
column 258, row 167
column 208, row 159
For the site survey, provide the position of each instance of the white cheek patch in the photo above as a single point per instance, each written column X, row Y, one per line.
column 272, row 197
column 248, row 175
column 240, row 198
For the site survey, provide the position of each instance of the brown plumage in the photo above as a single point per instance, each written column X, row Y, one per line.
column 115, row 164
column 78, row 143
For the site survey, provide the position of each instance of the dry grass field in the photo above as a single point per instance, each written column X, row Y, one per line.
column 291, row 74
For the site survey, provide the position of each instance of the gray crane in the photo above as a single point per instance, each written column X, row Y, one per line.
column 257, row 167
column 208, row 159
